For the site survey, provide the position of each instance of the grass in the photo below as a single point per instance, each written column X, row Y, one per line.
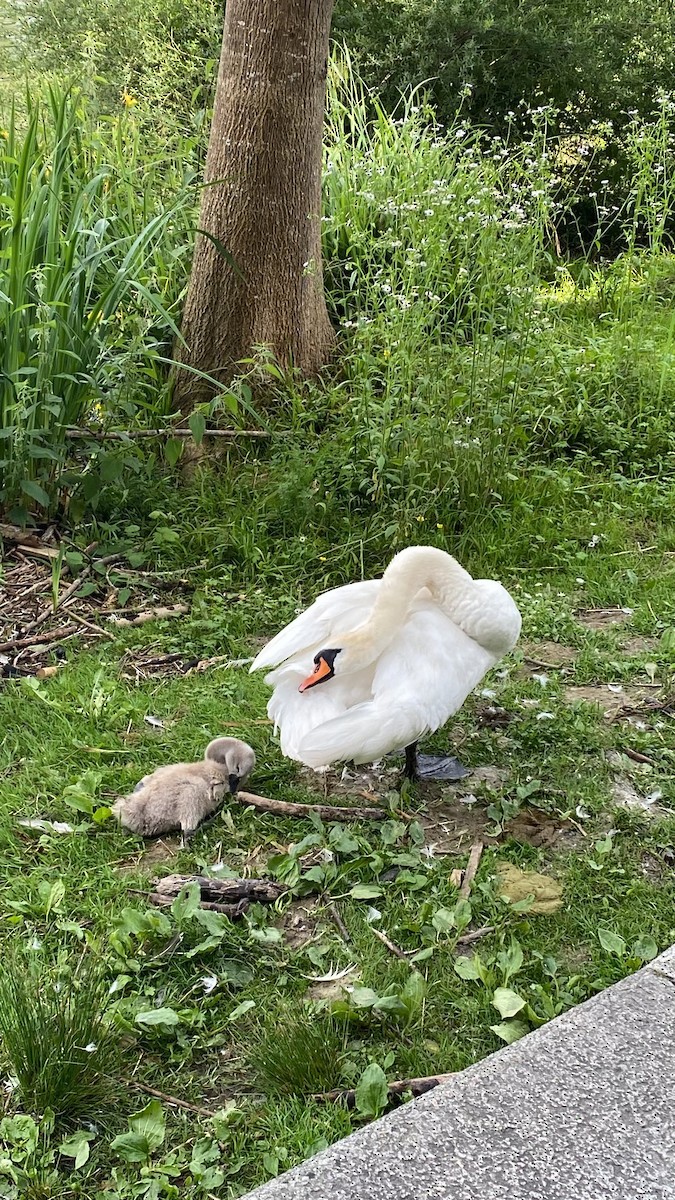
column 242, row 1028
column 492, row 398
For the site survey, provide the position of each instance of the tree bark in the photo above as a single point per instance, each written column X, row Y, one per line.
column 262, row 199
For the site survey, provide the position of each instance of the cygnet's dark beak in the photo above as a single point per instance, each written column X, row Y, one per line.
column 234, row 783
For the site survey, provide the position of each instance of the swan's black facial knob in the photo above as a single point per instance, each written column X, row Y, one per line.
column 233, row 781
column 324, row 668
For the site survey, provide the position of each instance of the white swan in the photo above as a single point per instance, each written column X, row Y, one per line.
column 371, row 667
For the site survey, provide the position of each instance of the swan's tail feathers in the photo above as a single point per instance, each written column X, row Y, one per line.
column 363, row 734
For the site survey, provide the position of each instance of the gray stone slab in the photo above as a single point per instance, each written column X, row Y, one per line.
column 665, row 963
column 582, row 1109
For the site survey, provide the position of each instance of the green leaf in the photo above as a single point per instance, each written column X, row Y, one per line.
column 469, row 968
column 173, row 450
column 423, row 955
column 150, row 1123
column 611, row 942
column 506, row 1002
column 157, row 1016
column 391, row 1004
column 443, row 920
column 77, row 1147
column 510, row 961
column 413, row 993
column 30, row 488
column 371, row 1091
column 461, row 914
column 511, row 1031
column 244, row 1007
column 132, row 1147
column 645, row 948
column 197, row 423
column 363, row 997
column 365, row 891
column 186, row 903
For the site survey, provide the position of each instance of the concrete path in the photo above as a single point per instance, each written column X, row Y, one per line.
column 581, row 1109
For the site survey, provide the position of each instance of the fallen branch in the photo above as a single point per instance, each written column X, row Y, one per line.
column 638, row 756
column 152, row 614
column 417, row 1087
column 123, row 435
column 233, row 911
column 265, row 891
column 396, row 950
column 327, row 812
column 471, row 868
column 174, row 1101
column 40, row 639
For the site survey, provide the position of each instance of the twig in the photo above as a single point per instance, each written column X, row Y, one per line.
column 417, row 1086
column 638, row 756
column 174, row 1101
column 121, row 435
column 327, row 812
column 152, row 614
column 90, row 625
column 471, row 868
column 40, row 639
column 396, row 950
column 474, row 935
column 336, row 917
column 547, row 666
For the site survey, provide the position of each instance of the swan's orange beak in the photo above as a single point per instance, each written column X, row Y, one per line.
column 321, row 671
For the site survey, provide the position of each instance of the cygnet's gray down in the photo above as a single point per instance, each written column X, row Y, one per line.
column 185, row 794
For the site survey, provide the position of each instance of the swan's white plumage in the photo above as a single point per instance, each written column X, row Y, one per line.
column 431, row 633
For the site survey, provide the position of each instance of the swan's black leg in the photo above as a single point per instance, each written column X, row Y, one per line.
column 410, row 769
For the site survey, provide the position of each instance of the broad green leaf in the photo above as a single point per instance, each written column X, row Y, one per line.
column 77, row 1146
column 461, row 914
column 510, row 1031
column 645, row 948
column 413, row 993
column 423, row 955
column 30, row 488
column 506, row 1002
column 157, row 1016
column 363, row 997
column 173, row 450
column 132, row 1147
column 371, row 1091
column 150, row 1123
column 365, row 891
column 443, row 920
column 611, row 942
column 197, row 423
column 510, row 961
column 391, row 1004
column 469, row 968
column 186, row 903
column 244, row 1007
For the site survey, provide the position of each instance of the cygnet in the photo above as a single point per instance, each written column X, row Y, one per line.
column 183, row 795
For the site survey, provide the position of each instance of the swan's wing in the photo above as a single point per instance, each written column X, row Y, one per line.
column 336, row 611
column 419, row 682
column 296, row 714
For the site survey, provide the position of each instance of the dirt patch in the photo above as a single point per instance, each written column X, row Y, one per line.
column 602, row 618
column 326, row 990
column 299, row 923
column 543, row 830
column 639, row 645
column 540, row 655
column 625, row 795
column 608, row 698
column 162, row 850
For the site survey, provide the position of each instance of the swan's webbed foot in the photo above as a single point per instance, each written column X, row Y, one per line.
column 419, row 767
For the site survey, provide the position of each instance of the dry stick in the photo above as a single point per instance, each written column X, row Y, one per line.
column 174, row 1101
column 417, row 1086
column 90, row 625
column 390, row 945
column 40, row 639
column 334, row 913
column 474, row 935
column 637, row 756
column 120, row 435
column 153, row 614
column 471, row 868
column 327, row 812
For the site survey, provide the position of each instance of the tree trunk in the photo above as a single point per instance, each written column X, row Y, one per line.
column 265, row 154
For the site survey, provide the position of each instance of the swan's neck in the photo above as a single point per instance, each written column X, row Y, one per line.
column 408, row 573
